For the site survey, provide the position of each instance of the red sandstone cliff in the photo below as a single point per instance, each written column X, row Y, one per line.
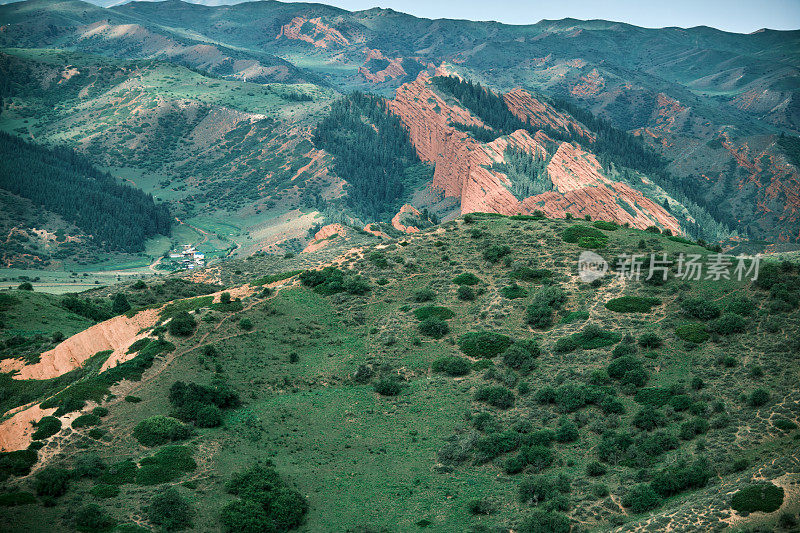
column 464, row 166
column 324, row 236
column 314, row 31
column 540, row 114
column 393, row 70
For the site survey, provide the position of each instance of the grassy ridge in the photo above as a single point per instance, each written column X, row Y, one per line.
column 620, row 412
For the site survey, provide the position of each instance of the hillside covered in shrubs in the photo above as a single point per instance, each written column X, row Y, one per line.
column 460, row 379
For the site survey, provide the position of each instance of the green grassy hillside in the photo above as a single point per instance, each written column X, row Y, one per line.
column 461, row 379
column 232, row 158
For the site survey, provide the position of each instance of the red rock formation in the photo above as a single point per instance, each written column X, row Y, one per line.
column 321, row 35
column 463, row 166
column 393, row 70
column 325, row 235
column 375, row 230
column 397, row 220
column 539, row 114
column 784, row 182
column 589, row 85
column 667, row 112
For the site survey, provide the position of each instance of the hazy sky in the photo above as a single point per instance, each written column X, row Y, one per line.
column 730, row 15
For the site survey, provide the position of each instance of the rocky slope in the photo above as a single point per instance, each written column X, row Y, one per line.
column 463, row 165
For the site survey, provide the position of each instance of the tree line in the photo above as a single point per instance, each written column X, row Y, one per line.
column 372, row 151
column 119, row 217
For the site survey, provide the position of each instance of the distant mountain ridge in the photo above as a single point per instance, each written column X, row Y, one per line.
column 711, row 102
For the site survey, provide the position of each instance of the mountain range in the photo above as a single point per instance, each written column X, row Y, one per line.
column 278, row 266
column 714, row 106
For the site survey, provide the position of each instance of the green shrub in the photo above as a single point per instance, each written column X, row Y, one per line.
column 105, row 491
column 681, row 476
column 120, row 304
column 650, row 340
column 46, row 427
column 496, row 252
column 784, row 425
column 552, row 296
column 208, row 416
column 519, row 357
column 89, row 465
column 758, row 398
column 728, row 324
column 567, row 430
column 86, row 421
column 201, row 404
column 170, row 511
column 484, row 344
column 357, row 285
column 513, row 292
column 331, row 280
column 741, row 305
column 641, row 499
column 119, row 473
column 574, row 316
column 14, row 498
column 654, row 396
column 693, row 332
column 182, row 324
column 608, row 226
column 267, row 503
column 539, row 316
column 593, row 336
column 91, row 518
column 433, row 327
column 160, row 429
column 585, row 236
column 465, row 293
column 693, row 427
column 387, row 387
column 452, row 366
column 515, row 464
column 424, row 295
column 570, row 397
column 524, row 273
column 600, row 490
column 167, row 464
column 52, row 481
column 632, row 304
column 481, row 507
column 544, row 521
column 497, row 396
column 700, row 308
column 763, row 497
column 649, row 419
column 565, row 345
column 681, row 402
column 622, row 365
column 595, row 469
column 539, row 457
column 246, row 324
column 467, row 278
column 547, row 299
column 434, row 311
column 132, row 399
column 537, row 489
column 100, row 411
